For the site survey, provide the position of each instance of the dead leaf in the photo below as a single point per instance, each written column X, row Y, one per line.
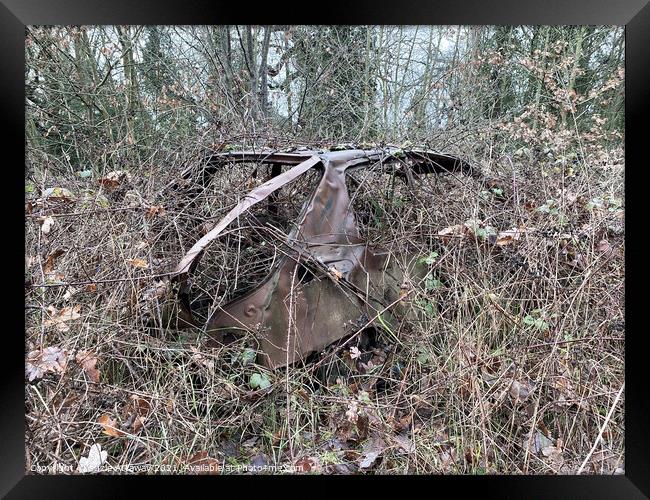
column 46, row 225
column 48, row 267
column 138, row 424
column 202, row 463
column 115, row 178
column 50, row 359
column 519, row 391
column 404, row 443
column 354, row 352
column 372, row 450
column 95, row 459
column 510, row 236
column 91, row 287
column 308, row 464
column 88, row 362
column 140, row 406
column 69, row 293
column 352, row 412
column 201, row 360
column 153, row 211
column 60, row 318
column 538, row 442
column 604, row 246
column 57, row 194
column 110, row 426
column 139, row 263
column 457, row 231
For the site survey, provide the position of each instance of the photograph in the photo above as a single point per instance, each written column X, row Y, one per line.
column 324, row 249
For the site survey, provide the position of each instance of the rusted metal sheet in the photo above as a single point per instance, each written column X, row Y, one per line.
column 330, row 281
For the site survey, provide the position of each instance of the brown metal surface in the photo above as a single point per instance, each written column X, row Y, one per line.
column 330, row 281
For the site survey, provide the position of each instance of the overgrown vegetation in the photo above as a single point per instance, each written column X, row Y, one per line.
column 514, row 361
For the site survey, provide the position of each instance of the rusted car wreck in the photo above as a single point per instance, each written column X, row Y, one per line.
column 329, row 282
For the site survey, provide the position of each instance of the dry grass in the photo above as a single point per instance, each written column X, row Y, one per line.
column 514, row 364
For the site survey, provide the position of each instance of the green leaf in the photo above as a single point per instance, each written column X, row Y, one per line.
column 29, row 187
column 431, row 258
column 484, row 233
column 423, row 357
column 541, row 324
column 248, row 356
column 529, row 320
column 432, row 283
column 259, row 381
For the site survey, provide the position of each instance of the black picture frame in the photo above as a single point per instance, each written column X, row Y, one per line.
column 15, row 15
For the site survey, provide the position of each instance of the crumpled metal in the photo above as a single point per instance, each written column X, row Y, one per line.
column 330, row 282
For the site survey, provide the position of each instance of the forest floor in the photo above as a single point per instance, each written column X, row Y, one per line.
column 513, row 365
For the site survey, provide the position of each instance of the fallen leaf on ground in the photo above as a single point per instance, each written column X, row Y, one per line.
column 202, row 463
column 201, row 360
column 57, row 194
column 352, row 412
column 139, row 263
column 48, row 267
column 519, row 391
column 140, row 405
column 538, row 442
column 95, row 459
column 309, row 464
column 509, row 236
column 604, row 246
column 457, row 231
column 50, row 359
column 110, row 426
column 154, row 211
column 88, row 362
column 46, row 225
column 551, row 452
column 372, row 450
column 69, row 293
column 404, row 443
column 115, row 178
column 354, row 352
column 60, row 318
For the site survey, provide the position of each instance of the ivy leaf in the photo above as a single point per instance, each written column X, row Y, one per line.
column 248, row 356
column 430, row 259
column 432, row 283
column 529, row 320
column 259, row 381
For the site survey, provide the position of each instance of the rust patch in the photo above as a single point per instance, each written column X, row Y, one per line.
column 329, row 282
